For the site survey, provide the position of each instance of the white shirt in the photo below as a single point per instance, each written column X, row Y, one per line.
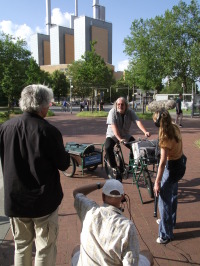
column 107, row 237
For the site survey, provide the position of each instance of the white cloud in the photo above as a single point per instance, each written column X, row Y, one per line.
column 6, row 26
column 59, row 18
column 122, row 65
column 40, row 30
column 24, row 31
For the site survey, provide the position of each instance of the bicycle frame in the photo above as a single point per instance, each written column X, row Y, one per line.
column 138, row 168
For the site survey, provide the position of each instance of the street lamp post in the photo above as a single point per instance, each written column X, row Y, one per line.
column 183, row 90
column 128, row 94
column 70, row 84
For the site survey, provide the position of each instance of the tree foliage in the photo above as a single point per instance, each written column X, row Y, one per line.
column 90, row 72
column 34, row 75
column 60, row 84
column 14, row 60
column 18, row 69
column 166, row 46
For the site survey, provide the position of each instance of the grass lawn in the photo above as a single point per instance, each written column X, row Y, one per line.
column 93, row 114
column 197, row 143
column 4, row 116
column 145, row 116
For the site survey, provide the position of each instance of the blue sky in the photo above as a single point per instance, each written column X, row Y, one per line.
column 23, row 18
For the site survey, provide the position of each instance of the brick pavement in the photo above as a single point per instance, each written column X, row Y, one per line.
column 184, row 250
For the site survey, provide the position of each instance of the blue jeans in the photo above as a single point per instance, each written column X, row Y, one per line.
column 167, row 205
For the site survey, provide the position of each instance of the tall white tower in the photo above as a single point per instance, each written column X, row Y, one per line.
column 48, row 16
column 96, row 9
column 76, row 8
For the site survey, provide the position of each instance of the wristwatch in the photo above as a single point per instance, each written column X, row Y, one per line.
column 98, row 185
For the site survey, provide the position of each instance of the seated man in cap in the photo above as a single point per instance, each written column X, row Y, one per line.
column 107, row 237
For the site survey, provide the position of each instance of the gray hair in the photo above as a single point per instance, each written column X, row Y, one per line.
column 35, row 97
column 124, row 100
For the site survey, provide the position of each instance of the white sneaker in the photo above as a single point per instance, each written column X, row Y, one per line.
column 160, row 240
column 158, row 221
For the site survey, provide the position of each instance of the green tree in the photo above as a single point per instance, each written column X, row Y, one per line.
column 77, row 72
column 144, row 69
column 91, row 72
column 14, row 60
column 60, row 84
column 166, row 46
column 122, row 87
column 34, row 75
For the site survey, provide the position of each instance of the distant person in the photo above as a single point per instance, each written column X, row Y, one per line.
column 119, row 121
column 101, row 105
column 171, row 167
column 64, row 106
column 82, row 105
column 32, row 153
column 108, row 238
column 135, row 106
column 179, row 112
column 88, row 105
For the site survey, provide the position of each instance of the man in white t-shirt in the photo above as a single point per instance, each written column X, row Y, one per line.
column 119, row 121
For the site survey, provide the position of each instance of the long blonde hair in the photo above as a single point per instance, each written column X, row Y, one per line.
column 167, row 129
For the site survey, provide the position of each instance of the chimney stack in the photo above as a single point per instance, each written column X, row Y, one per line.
column 96, row 9
column 76, row 8
column 48, row 16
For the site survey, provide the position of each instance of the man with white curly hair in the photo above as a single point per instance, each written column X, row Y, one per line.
column 32, row 152
column 119, row 121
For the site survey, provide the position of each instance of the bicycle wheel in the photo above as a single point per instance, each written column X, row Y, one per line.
column 119, row 162
column 71, row 169
column 121, row 166
column 92, row 168
column 107, row 168
column 148, row 183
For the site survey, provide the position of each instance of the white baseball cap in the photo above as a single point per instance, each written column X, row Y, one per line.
column 113, row 188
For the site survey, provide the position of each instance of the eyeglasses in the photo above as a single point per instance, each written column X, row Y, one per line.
column 118, row 104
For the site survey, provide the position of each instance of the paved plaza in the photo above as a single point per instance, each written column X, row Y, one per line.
column 183, row 251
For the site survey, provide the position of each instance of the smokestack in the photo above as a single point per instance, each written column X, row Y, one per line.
column 96, row 9
column 48, row 16
column 76, row 8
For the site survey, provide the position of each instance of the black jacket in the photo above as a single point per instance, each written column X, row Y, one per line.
column 31, row 153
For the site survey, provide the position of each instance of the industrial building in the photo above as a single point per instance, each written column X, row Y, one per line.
column 62, row 45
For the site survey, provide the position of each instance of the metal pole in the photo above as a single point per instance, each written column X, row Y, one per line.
column 70, row 83
column 128, row 94
column 110, row 94
column 183, row 91
column 192, row 102
column 95, row 95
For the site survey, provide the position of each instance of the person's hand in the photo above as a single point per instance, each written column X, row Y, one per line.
column 122, row 141
column 156, row 188
column 147, row 134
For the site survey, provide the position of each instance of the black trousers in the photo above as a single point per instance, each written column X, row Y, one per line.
column 109, row 148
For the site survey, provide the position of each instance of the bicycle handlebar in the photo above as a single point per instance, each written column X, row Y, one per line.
column 136, row 141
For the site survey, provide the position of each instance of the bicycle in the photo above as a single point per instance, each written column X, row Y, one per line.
column 144, row 155
column 65, row 108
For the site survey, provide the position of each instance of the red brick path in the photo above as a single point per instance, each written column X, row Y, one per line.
column 184, row 250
